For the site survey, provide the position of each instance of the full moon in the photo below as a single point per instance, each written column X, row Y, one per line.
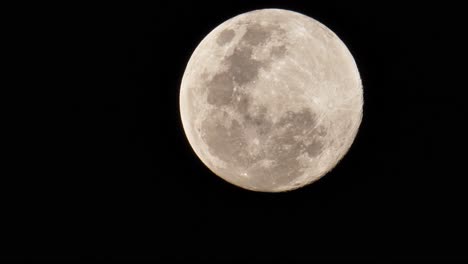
column 271, row 100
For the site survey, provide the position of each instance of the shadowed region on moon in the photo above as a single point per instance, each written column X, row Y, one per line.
column 268, row 144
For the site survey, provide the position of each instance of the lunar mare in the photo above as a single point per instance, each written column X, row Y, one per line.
column 271, row 100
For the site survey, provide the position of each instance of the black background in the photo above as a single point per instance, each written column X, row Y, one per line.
column 101, row 168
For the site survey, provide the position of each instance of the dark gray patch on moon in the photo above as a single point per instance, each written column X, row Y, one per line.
column 242, row 105
column 278, row 51
column 256, row 34
column 220, row 89
column 314, row 149
column 226, row 143
column 242, row 69
column 242, row 66
column 225, row 37
column 303, row 118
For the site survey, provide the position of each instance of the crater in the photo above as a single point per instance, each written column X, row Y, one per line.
column 225, row 37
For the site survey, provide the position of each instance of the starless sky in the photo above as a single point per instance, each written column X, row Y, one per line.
column 104, row 170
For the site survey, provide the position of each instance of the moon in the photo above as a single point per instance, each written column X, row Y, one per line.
column 271, row 100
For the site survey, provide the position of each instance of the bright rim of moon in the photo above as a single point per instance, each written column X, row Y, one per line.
column 271, row 100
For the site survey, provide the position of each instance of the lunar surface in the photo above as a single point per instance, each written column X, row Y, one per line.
column 271, row 100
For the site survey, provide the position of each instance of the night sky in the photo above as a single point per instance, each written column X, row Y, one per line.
column 103, row 170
